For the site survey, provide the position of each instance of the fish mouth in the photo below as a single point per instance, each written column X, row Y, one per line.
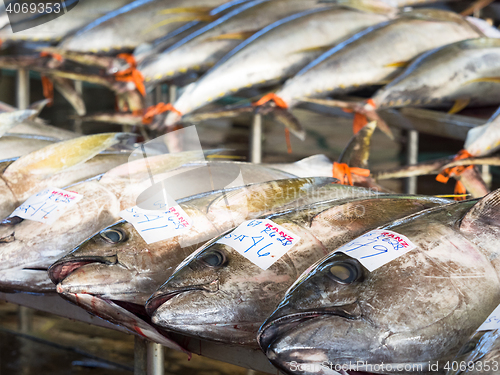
column 272, row 329
column 61, row 269
column 156, row 301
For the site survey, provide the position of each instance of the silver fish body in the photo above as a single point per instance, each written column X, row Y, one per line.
column 411, row 312
column 286, row 47
column 373, row 56
column 139, row 22
column 83, row 13
column 228, row 300
column 464, row 70
column 205, row 47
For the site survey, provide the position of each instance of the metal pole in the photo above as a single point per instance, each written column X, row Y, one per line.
column 172, row 93
column 77, row 125
column 23, row 88
column 140, row 356
column 486, row 175
column 411, row 159
column 25, row 315
column 156, row 359
column 256, row 139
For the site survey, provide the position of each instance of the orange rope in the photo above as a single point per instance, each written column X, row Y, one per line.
column 131, row 74
column 271, row 97
column 444, row 176
column 56, row 56
column 48, row 90
column 156, row 110
column 343, row 173
column 288, row 141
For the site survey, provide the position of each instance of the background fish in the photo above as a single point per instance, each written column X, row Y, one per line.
column 339, row 312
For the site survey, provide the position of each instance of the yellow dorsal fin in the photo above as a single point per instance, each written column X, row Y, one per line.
column 458, row 106
column 318, row 49
column 198, row 10
column 236, row 36
column 62, row 155
column 398, row 64
column 484, row 79
column 195, row 17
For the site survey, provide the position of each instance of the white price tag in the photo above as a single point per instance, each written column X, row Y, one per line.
column 493, row 321
column 261, row 241
column 377, row 248
column 157, row 225
column 47, row 206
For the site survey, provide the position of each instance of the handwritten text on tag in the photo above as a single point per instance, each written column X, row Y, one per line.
column 376, row 248
column 493, row 321
column 157, row 225
column 47, row 206
column 261, row 241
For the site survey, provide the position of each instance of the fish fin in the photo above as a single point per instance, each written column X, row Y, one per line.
column 319, row 49
column 484, row 79
column 197, row 10
column 67, row 89
column 10, row 119
column 476, row 7
column 38, row 107
column 60, row 156
column 357, row 151
column 398, row 64
column 458, row 106
column 369, row 6
column 232, row 36
column 472, row 182
column 187, row 18
column 285, row 117
column 224, row 112
column 485, row 212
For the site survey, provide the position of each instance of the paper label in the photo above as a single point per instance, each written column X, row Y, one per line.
column 493, row 321
column 260, row 241
column 157, row 225
column 47, row 206
column 377, row 248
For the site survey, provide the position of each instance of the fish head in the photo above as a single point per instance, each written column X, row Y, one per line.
column 410, row 312
column 218, row 294
column 113, row 263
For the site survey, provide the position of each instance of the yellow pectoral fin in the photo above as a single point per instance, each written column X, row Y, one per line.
column 458, row 106
column 62, row 155
column 398, row 64
column 230, row 36
column 484, row 79
column 194, row 17
column 319, row 49
column 199, row 10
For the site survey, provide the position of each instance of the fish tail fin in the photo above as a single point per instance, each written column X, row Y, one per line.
column 485, row 212
column 67, row 89
column 364, row 113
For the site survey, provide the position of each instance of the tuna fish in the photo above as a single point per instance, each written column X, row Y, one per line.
column 117, row 264
column 408, row 312
column 57, row 165
column 485, row 139
column 28, row 248
column 457, row 75
column 205, row 47
column 139, row 22
column 220, row 295
column 80, row 14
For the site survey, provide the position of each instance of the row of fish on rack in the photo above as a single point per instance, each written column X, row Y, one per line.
column 322, row 276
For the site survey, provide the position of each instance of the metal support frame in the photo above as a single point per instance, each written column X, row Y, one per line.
column 77, row 124
column 140, row 356
column 156, row 359
column 256, row 139
column 411, row 159
column 172, row 93
column 25, row 315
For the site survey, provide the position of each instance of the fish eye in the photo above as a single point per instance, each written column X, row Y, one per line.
column 344, row 272
column 114, row 236
column 213, row 258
